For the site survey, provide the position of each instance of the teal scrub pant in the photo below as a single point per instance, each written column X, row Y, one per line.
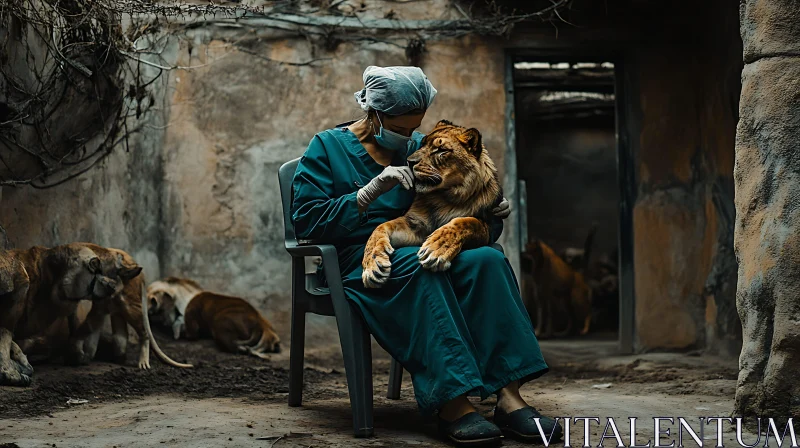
column 462, row 331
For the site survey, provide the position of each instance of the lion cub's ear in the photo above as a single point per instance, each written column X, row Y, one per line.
column 443, row 123
column 472, row 139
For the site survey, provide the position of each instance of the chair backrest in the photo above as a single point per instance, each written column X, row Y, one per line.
column 285, row 176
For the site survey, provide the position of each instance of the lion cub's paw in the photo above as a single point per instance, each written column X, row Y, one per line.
column 377, row 265
column 439, row 250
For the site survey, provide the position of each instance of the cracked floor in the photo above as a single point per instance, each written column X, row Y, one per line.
column 234, row 401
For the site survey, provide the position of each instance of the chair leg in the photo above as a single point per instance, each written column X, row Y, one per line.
column 395, row 380
column 296, row 356
column 356, row 348
column 298, row 336
column 357, row 354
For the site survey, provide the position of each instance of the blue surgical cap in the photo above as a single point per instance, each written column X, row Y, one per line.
column 395, row 90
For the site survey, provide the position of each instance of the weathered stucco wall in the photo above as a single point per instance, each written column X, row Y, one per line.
column 112, row 205
column 199, row 198
column 686, row 118
column 683, row 262
column 236, row 119
column 115, row 204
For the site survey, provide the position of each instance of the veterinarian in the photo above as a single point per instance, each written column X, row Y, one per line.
column 459, row 332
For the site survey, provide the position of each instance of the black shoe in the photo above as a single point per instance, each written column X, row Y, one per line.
column 471, row 430
column 520, row 425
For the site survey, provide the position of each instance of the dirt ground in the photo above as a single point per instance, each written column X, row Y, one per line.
column 232, row 400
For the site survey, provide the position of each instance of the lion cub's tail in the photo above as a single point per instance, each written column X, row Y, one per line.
column 153, row 343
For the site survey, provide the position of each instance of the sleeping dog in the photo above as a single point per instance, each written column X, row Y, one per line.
column 234, row 324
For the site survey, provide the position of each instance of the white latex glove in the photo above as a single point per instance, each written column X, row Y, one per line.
column 503, row 209
column 388, row 179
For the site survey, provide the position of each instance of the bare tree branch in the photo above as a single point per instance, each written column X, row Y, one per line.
column 92, row 74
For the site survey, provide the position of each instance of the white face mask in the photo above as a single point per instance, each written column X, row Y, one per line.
column 390, row 140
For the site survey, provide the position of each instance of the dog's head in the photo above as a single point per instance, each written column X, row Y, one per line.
column 533, row 256
column 573, row 256
column 167, row 299
column 85, row 271
column 158, row 298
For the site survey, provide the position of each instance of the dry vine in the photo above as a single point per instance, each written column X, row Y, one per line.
column 72, row 88
column 64, row 103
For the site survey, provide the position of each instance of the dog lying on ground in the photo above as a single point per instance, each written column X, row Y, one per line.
column 38, row 286
column 558, row 290
column 456, row 188
column 234, row 324
column 124, row 309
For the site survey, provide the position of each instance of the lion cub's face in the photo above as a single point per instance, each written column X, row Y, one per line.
column 93, row 273
column 449, row 157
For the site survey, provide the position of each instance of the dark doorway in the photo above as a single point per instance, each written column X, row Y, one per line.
column 569, row 190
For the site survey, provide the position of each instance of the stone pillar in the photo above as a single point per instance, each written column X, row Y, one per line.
column 767, row 233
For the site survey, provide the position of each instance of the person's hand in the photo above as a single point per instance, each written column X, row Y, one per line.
column 502, row 210
column 393, row 175
column 389, row 178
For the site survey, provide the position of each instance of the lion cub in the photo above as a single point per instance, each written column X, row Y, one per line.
column 456, row 188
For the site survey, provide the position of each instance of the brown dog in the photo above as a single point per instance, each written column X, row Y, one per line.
column 235, row 325
column 39, row 286
column 456, row 188
column 124, row 309
column 556, row 289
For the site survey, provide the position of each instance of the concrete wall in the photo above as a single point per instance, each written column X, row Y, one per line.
column 199, row 198
column 235, row 120
column 115, row 204
column 681, row 77
column 685, row 118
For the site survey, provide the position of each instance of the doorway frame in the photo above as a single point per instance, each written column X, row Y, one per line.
column 626, row 172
